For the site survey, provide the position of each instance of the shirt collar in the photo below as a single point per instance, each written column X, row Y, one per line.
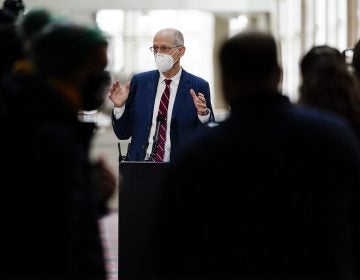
column 174, row 80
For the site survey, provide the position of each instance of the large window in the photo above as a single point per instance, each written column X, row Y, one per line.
column 297, row 24
column 306, row 23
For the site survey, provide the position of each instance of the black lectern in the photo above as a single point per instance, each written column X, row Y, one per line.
column 138, row 204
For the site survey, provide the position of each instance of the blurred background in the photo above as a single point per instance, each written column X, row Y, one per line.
column 130, row 24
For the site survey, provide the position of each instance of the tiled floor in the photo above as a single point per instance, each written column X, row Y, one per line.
column 109, row 232
column 105, row 144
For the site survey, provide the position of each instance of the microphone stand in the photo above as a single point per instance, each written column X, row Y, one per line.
column 121, row 157
column 159, row 120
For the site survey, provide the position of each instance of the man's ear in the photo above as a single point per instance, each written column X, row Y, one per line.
column 182, row 50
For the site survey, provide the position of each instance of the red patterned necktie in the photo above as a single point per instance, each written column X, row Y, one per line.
column 162, row 117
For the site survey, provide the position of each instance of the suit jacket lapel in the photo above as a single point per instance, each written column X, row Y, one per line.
column 151, row 89
column 181, row 93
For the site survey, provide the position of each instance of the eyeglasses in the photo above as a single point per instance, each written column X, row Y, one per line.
column 155, row 49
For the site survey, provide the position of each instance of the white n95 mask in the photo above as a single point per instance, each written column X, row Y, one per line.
column 164, row 62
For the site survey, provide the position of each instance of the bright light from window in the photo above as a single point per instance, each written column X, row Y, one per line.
column 110, row 21
column 238, row 24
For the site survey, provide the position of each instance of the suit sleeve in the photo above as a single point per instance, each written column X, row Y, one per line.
column 123, row 126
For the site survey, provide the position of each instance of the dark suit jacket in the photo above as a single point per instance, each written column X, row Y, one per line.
column 136, row 120
column 272, row 192
column 50, row 205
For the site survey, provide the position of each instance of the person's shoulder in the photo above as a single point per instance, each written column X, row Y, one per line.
column 146, row 74
column 202, row 144
column 328, row 124
column 315, row 116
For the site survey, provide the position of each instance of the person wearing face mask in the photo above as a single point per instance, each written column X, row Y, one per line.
column 136, row 103
column 61, row 193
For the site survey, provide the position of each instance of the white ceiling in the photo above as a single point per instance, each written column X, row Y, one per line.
column 216, row 6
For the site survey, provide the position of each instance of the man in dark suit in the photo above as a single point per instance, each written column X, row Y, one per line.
column 136, row 103
column 272, row 192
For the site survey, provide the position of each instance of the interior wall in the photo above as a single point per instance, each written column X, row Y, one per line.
column 296, row 24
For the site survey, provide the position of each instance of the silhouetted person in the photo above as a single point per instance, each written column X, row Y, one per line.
column 327, row 85
column 15, row 38
column 18, row 66
column 10, row 48
column 355, row 63
column 31, row 23
column 56, row 195
column 356, row 60
column 271, row 192
column 14, row 7
column 10, row 42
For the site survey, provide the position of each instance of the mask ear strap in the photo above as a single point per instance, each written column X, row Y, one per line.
column 177, row 48
column 177, row 58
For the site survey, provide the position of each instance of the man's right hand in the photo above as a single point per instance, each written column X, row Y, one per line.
column 119, row 93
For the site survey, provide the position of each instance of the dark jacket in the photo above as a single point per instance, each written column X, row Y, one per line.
column 49, row 205
column 272, row 192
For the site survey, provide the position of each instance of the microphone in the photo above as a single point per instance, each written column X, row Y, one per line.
column 121, row 157
column 126, row 158
column 159, row 120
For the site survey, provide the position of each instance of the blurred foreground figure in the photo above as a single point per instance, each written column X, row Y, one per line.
column 14, row 7
column 282, row 200
column 55, row 195
column 327, row 85
column 10, row 43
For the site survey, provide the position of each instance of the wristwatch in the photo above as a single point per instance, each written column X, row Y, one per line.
column 207, row 111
